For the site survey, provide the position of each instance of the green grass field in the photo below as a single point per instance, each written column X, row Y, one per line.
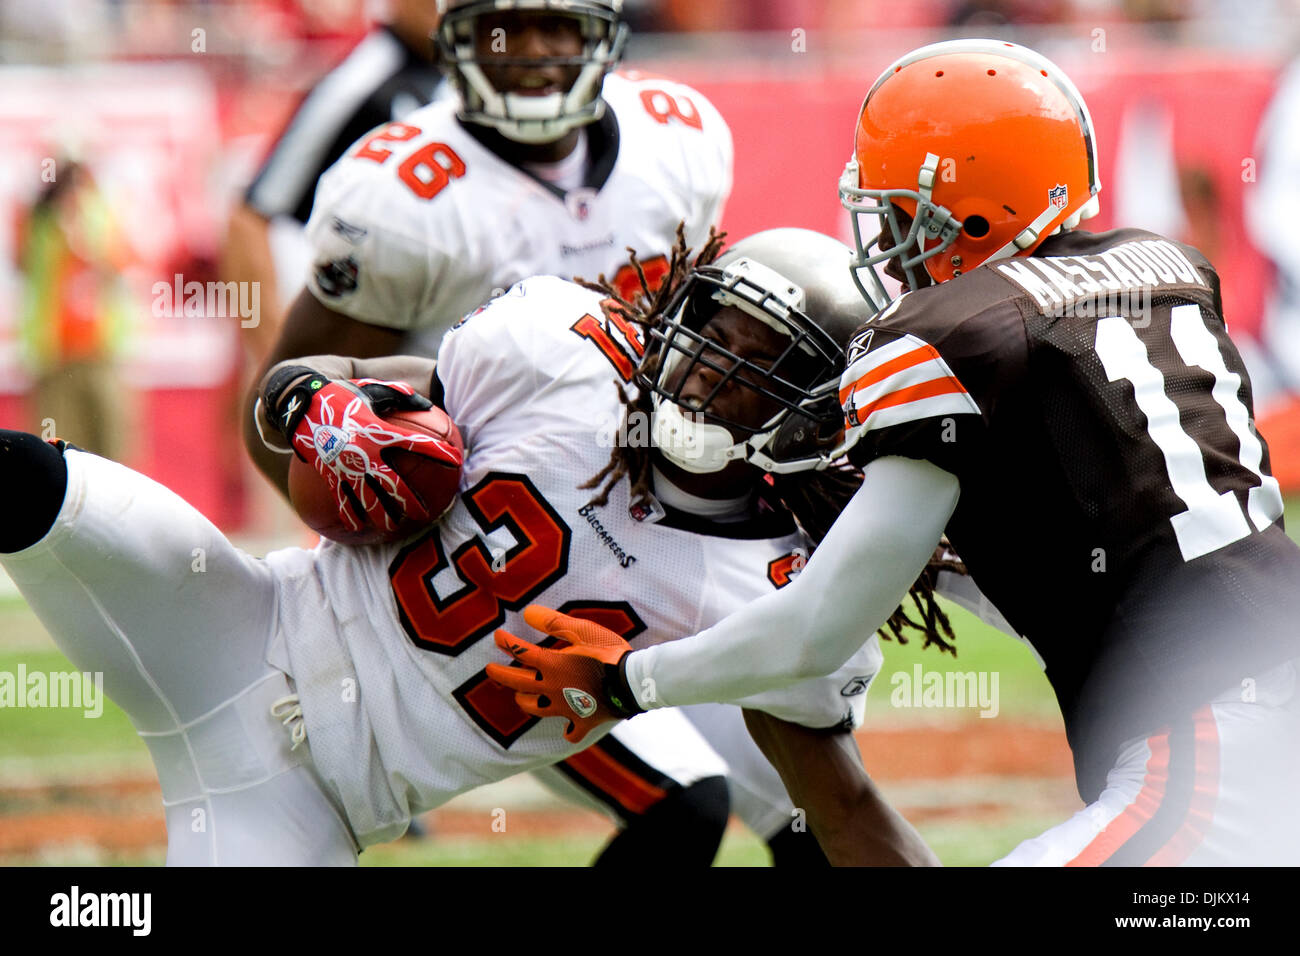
column 53, row 733
column 56, row 733
column 54, row 750
column 63, row 748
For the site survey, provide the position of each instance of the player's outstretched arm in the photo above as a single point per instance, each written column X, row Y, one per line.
column 853, row 583
column 823, row 773
column 311, row 329
column 849, row 588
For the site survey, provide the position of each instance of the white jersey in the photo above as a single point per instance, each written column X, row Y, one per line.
column 420, row 222
column 387, row 645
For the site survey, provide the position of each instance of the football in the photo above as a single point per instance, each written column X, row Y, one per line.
column 434, row 482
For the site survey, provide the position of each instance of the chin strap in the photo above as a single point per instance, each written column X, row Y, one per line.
column 698, row 447
column 703, row 448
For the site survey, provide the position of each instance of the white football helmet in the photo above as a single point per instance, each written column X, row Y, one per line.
column 523, row 118
column 796, row 283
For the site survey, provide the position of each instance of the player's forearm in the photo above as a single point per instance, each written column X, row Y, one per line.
column 416, row 371
column 274, row 465
column 246, row 258
column 823, row 774
column 857, row 826
column 854, row 581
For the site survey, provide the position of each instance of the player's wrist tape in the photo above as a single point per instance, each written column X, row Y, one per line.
column 618, row 691
column 261, row 432
column 282, row 409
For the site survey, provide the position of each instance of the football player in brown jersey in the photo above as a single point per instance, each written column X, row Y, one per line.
column 1069, row 409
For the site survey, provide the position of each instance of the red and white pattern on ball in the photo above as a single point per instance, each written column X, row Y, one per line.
column 343, row 437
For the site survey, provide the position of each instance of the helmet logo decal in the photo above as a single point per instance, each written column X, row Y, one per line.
column 1059, row 196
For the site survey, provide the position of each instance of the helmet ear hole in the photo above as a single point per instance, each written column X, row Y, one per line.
column 977, row 227
column 797, row 437
column 808, row 432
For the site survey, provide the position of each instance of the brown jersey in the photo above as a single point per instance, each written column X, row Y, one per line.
column 1116, row 501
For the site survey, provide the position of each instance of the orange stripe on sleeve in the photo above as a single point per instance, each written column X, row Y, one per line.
column 918, row 356
column 913, row 393
column 1137, row 813
column 599, row 768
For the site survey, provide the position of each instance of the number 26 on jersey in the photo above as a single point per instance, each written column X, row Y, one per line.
column 426, row 171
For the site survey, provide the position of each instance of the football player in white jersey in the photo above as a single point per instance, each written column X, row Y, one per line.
column 424, row 219
column 374, row 657
column 540, row 164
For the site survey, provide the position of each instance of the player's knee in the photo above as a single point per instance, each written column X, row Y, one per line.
column 683, row 829
column 33, row 480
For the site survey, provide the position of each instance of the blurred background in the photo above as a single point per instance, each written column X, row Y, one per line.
column 166, row 109
column 130, row 130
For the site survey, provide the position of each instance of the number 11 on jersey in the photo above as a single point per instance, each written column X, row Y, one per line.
column 1212, row 520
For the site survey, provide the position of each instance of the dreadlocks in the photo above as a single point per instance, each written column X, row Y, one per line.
column 815, row 498
column 643, row 311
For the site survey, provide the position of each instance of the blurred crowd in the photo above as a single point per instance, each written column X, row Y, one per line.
column 51, row 31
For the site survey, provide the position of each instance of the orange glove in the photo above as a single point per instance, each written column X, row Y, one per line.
column 583, row 682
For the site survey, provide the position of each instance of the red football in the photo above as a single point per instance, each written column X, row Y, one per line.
column 433, row 481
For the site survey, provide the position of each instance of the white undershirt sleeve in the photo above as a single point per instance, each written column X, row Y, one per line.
column 849, row 588
column 962, row 590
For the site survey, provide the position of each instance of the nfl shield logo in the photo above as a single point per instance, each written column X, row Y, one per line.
column 650, row 510
column 583, row 704
column 1058, row 196
column 578, row 202
column 330, row 442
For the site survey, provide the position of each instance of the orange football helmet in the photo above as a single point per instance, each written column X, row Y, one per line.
column 986, row 146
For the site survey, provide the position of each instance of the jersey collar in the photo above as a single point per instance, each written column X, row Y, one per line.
column 602, row 151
